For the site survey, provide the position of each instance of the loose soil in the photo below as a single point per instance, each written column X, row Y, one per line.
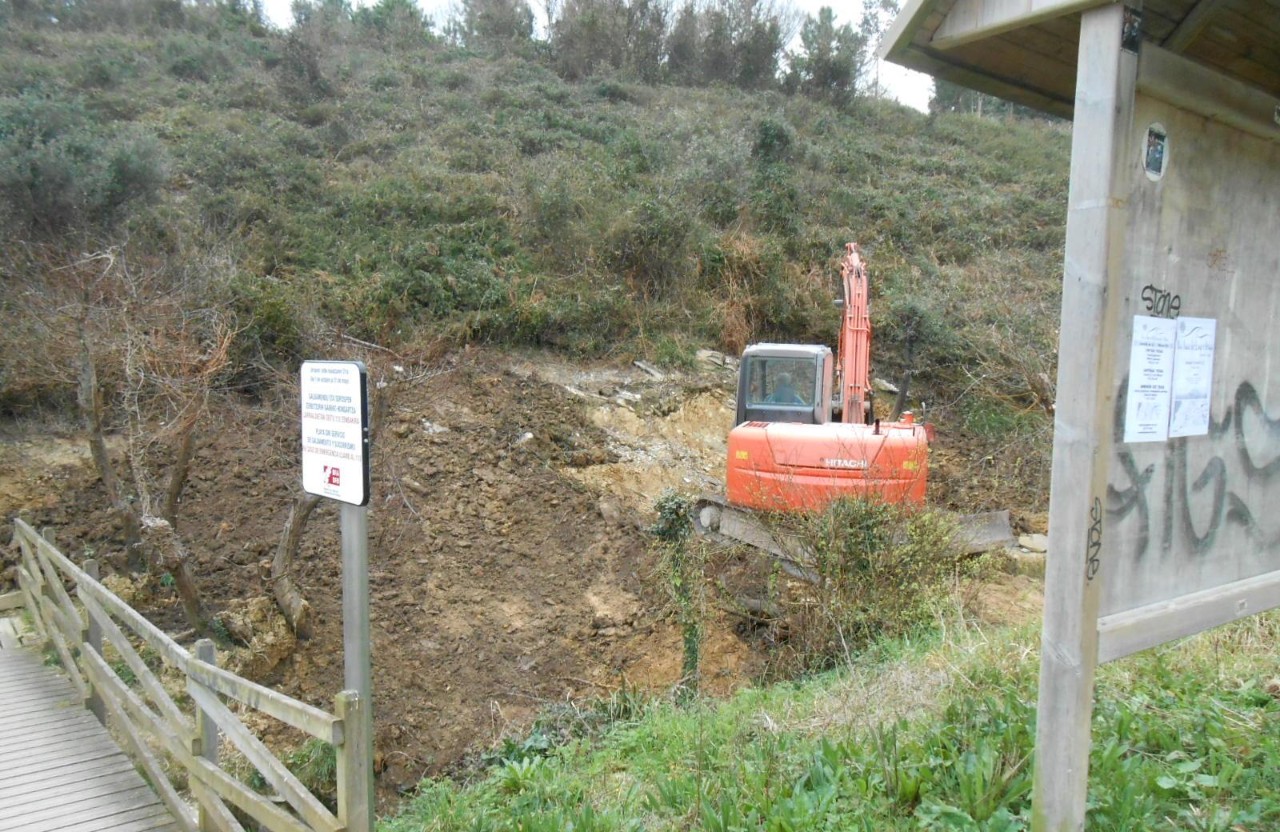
column 510, row 568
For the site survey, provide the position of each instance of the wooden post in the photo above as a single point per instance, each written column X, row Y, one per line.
column 92, row 638
column 1083, row 433
column 355, row 762
column 206, row 733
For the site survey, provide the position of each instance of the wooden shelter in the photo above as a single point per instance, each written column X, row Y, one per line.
column 1166, row 465
column 1026, row 51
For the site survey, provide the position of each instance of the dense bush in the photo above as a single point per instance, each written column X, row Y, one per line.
column 882, row 570
column 60, row 168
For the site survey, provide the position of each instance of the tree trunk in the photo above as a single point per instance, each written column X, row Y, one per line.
column 288, row 597
column 900, row 403
column 169, row 554
column 89, row 397
column 178, row 476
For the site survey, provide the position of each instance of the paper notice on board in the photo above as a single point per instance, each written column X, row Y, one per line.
column 1146, row 417
column 1192, row 376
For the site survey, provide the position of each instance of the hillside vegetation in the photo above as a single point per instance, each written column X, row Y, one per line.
column 192, row 202
column 932, row 734
column 347, row 177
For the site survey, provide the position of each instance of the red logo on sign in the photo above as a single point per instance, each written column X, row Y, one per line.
column 335, row 476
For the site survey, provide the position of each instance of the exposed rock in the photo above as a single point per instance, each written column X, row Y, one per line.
column 1034, row 542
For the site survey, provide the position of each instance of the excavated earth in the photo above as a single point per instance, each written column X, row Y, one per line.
column 510, row 568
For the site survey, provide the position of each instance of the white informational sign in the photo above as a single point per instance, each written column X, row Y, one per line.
column 1192, row 376
column 335, row 417
column 1146, row 417
column 1170, row 378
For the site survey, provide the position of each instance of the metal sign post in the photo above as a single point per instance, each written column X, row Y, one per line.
column 357, row 664
column 335, row 464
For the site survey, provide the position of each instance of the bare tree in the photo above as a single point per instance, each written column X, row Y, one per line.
column 147, row 354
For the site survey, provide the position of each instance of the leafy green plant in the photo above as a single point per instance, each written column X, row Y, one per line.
column 124, row 672
column 882, row 569
column 59, row 168
column 683, row 565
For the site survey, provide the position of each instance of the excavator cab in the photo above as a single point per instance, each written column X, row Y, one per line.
column 785, row 383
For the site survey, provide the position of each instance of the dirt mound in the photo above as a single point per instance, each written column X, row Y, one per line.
column 503, row 575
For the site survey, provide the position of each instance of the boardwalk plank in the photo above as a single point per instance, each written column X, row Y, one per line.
column 83, row 765
column 66, row 746
column 54, row 792
column 74, row 804
column 60, row 771
column 97, row 818
column 35, row 678
column 125, row 822
column 69, row 719
column 37, row 732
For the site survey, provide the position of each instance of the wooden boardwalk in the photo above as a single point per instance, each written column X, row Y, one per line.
column 59, row 769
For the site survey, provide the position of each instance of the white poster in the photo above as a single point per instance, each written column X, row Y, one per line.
column 1146, row 417
column 1192, row 376
column 335, row 453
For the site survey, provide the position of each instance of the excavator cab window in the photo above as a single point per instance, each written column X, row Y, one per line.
column 780, row 389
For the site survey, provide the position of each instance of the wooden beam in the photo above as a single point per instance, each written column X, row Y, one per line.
column 971, row 20
column 293, row 712
column 11, row 601
column 1192, row 25
column 1192, row 86
column 1133, row 630
column 276, row 773
column 356, row 800
column 1082, row 430
column 125, row 708
column 903, row 31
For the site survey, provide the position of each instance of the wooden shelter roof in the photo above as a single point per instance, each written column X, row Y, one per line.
column 1025, row 50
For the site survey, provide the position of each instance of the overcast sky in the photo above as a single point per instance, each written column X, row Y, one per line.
column 911, row 88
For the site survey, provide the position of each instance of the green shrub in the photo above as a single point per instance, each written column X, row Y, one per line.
column 195, row 59
column 775, row 201
column 882, row 570
column 773, row 141
column 650, row 246
column 59, row 168
column 998, row 419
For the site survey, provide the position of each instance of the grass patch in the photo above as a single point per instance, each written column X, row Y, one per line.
column 932, row 733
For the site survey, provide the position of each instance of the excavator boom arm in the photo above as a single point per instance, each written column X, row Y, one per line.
column 855, row 336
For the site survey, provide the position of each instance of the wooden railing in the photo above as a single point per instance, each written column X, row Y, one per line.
column 146, row 718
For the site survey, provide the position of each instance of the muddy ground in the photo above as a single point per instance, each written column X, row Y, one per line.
column 510, row 567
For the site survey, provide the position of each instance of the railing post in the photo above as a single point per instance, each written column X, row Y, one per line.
column 92, row 638
column 206, row 731
column 355, row 763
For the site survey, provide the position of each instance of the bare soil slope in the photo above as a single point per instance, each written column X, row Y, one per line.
column 507, row 572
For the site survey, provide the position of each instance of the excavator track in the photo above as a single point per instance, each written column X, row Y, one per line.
column 714, row 518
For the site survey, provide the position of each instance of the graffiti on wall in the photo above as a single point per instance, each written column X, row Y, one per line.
column 1196, row 500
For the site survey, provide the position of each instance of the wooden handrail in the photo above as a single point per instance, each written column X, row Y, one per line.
column 148, row 718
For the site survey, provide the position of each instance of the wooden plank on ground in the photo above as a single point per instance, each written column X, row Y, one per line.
column 72, row 771
column 11, row 601
column 50, row 791
column 138, row 821
column 96, row 820
column 59, row 769
column 74, row 806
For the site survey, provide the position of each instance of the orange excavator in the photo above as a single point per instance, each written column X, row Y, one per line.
column 806, row 436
